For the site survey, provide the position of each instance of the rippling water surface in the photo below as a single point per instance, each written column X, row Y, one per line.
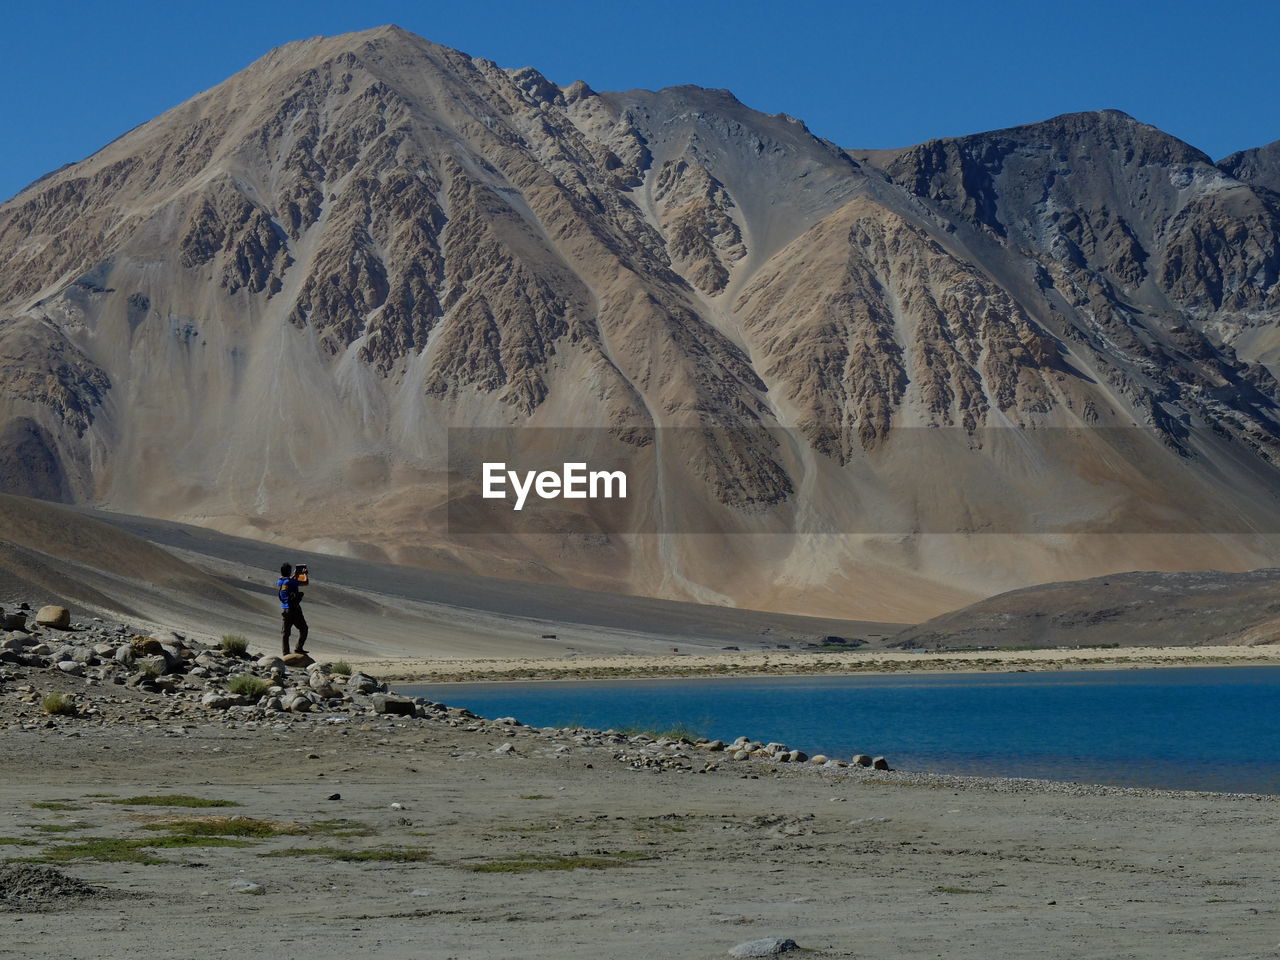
column 1214, row 728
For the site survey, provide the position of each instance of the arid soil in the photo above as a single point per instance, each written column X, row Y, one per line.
column 554, row 849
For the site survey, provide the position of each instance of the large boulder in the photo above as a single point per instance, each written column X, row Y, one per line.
column 389, row 703
column 59, row 618
column 361, row 683
column 152, row 666
column 322, row 685
column 147, row 647
column 297, row 660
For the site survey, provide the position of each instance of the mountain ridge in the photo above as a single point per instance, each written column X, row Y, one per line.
column 263, row 310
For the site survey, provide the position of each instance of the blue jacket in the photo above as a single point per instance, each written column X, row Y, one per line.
column 290, row 595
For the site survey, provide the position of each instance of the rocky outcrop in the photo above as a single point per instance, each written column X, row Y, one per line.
column 893, row 320
column 44, row 371
column 697, row 218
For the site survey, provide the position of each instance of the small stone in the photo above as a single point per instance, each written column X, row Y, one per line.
column 818, row 758
column 297, row 660
column 880, row 763
column 765, row 947
column 57, row 617
column 861, row 760
column 255, row 889
column 506, row 748
column 334, row 796
column 71, row 667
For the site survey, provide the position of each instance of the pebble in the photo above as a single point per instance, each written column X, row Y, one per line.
column 764, row 947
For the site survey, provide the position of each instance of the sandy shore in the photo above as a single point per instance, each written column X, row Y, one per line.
column 554, row 849
column 782, row 663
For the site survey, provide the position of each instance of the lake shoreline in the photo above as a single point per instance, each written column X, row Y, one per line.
column 780, row 663
column 154, row 816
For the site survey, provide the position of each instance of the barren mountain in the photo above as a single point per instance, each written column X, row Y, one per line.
column 899, row 380
column 1128, row 609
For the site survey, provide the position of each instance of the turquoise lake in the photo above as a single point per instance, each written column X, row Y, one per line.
column 1214, row 728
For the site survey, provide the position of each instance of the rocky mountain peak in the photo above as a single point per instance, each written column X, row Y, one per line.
column 269, row 305
column 1258, row 167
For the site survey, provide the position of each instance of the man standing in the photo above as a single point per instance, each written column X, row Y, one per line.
column 290, row 608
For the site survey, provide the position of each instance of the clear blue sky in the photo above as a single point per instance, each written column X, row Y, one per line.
column 73, row 76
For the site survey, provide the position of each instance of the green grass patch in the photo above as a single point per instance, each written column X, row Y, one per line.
column 59, row 705
column 17, row 842
column 55, row 805
column 59, row 827
column 163, row 800
column 151, row 669
column 342, row 668
column 376, row 855
column 119, row 850
column 247, row 685
column 234, row 645
column 228, row 827
column 530, row 863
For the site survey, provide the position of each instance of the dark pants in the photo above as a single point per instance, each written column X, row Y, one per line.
column 289, row 619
